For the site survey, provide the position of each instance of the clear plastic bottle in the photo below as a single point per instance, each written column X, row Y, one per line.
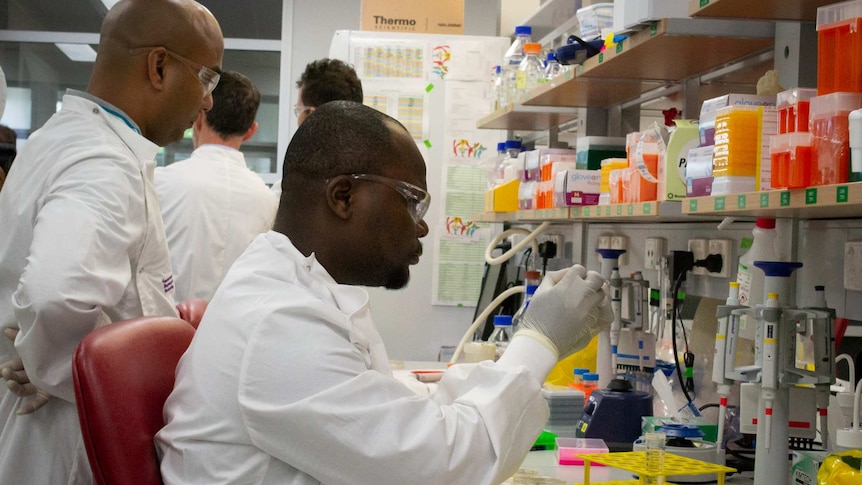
column 512, row 60
column 751, row 279
column 552, row 67
column 519, row 315
column 496, row 93
column 508, row 170
column 493, row 166
column 531, row 72
column 501, row 334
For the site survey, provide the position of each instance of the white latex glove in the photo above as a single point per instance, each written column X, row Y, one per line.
column 553, row 277
column 570, row 307
column 17, row 381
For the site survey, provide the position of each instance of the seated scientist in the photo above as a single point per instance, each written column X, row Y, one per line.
column 287, row 379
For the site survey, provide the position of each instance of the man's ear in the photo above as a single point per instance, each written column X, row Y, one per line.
column 156, row 68
column 251, row 131
column 340, row 196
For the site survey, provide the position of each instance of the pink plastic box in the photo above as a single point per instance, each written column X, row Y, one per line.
column 567, row 448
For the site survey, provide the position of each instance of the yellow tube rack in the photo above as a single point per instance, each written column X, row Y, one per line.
column 635, row 462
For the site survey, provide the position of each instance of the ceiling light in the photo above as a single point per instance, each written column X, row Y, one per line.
column 78, row 52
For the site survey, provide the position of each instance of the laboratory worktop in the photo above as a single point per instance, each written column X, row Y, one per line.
column 543, row 462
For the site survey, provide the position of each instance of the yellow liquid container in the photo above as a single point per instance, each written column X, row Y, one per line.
column 737, row 141
column 609, row 164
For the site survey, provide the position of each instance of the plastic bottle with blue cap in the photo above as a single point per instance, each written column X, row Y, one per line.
column 552, row 66
column 519, row 315
column 591, row 383
column 512, row 60
column 500, row 336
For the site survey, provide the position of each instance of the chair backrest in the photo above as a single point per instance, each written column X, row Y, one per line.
column 123, row 373
column 192, row 310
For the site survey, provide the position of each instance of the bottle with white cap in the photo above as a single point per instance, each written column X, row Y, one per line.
column 750, row 278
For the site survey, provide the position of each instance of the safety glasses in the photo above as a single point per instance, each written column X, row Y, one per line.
column 419, row 199
column 207, row 77
column 298, row 110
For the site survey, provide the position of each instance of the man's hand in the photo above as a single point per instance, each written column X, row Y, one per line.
column 569, row 308
column 17, row 381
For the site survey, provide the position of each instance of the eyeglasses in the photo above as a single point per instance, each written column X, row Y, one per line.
column 297, row 110
column 419, row 199
column 207, row 77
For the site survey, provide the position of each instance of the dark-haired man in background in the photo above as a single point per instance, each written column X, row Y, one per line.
column 323, row 80
column 212, row 204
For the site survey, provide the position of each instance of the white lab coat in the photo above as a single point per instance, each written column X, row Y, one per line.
column 287, row 382
column 213, row 206
column 82, row 244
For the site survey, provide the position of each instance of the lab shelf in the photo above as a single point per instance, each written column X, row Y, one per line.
column 666, row 52
column 798, row 10
column 665, row 211
column 528, row 118
column 676, row 49
column 573, row 90
column 838, row 201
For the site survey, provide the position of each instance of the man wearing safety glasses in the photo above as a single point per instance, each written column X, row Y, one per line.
column 287, row 380
column 82, row 242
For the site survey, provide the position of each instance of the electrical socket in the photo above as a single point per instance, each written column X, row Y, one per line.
column 604, row 242
column 699, row 248
column 620, row 242
column 557, row 239
column 724, row 247
column 654, row 249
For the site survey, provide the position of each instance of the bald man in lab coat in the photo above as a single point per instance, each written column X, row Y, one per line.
column 82, row 241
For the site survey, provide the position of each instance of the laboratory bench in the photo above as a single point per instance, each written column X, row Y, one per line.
column 543, row 462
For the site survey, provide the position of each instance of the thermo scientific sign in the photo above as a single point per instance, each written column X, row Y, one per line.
column 420, row 16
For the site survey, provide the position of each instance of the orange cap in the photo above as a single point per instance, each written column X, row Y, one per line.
column 533, row 48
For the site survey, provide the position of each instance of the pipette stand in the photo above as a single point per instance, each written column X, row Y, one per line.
column 604, row 353
column 775, row 365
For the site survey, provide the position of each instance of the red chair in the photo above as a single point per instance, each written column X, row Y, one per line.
column 192, row 310
column 123, row 374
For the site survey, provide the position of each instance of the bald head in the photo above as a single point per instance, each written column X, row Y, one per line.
column 147, row 84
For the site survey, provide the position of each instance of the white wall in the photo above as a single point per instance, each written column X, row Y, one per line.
column 513, row 12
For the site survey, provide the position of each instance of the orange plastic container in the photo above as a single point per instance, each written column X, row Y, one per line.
column 793, row 108
column 616, row 184
column 779, row 157
column 830, row 130
column 639, row 188
column 790, row 154
column 839, row 48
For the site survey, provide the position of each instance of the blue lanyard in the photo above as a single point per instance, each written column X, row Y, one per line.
column 119, row 115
